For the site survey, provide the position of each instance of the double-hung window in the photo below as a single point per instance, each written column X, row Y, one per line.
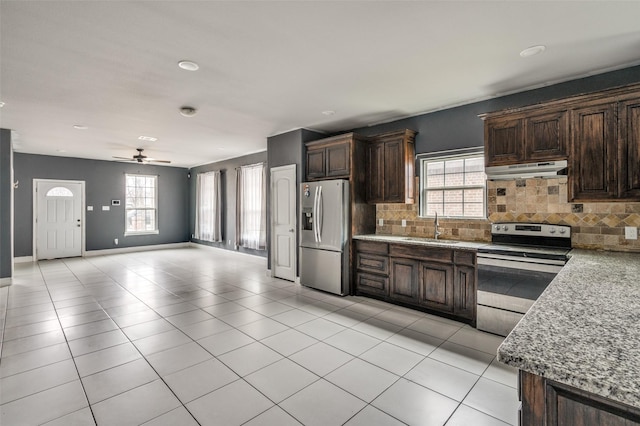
column 141, row 204
column 453, row 184
column 208, row 225
column 251, row 222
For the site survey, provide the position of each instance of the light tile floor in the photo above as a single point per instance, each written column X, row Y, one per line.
column 203, row 336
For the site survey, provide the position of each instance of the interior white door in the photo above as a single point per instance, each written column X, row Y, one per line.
column 283, row 222
column 59, row 207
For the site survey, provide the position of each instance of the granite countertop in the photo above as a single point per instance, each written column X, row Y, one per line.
column 584, row 330
column 454, row 244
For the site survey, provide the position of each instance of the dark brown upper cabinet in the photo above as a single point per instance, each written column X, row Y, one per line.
column 599, row 134
column 629, row 143
column 390, row 168
column 546, row 136
column 605, row 148
column 518, row 138
column 331, row 158
column 593, row 157
column 329, row 161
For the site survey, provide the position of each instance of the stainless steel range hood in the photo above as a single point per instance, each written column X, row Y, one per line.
column 528, row 170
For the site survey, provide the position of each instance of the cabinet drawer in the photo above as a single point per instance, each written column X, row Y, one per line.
column 372, row 247
column 372, row 284
column 464, row 258
column 421, row 253
column 374, row 263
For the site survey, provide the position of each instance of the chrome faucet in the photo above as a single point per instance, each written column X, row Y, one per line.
column 435, row 222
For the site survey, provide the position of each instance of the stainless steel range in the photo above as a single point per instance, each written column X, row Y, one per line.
column 514, row 270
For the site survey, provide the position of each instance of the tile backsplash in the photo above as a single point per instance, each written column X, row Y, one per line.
column 594, row 225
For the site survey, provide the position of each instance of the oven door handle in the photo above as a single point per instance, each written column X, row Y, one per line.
column 539, row 265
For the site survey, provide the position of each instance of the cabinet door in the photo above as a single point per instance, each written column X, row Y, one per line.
column 504, row 141
column 403, row 279
column 375, row 173
column 394, row 172
column 315, row 163
column 464, row 292
column 436, row 286
column 338, row 158
column 594, row 152
column 546, row 136
column 629, row 142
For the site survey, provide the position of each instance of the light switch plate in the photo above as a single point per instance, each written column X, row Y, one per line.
column 106, row 208
column 380, row 222
column 404, row 223
column 89, row 208
column 631, row 232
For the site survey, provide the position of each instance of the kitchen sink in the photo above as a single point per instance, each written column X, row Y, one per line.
column 429, row 240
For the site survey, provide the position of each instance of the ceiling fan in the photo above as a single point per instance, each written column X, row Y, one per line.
column 141, row 158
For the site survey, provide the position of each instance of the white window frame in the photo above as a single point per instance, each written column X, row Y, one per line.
column 458, row 154
column 154, row 208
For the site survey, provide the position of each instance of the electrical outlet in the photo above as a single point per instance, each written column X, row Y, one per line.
column 380, row 222
column 404, row 223
column 115, row 241
column 630, row 232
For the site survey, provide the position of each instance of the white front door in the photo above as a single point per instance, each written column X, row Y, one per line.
column 58, row 218
column 283, row 222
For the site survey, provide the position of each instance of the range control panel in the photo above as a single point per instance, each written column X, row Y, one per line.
column 531, row 229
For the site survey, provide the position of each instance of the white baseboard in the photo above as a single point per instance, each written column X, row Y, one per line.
column 91, row 253
column 23, row 259
column 205, row 246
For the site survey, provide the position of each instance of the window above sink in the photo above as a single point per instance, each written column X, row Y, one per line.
column 453, row 184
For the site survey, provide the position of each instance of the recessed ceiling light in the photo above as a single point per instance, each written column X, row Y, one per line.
column 1, row 104
column 147, row 138
column 188, row 111
column 80, row 127
column 328, row 112
column 533, row 50
column 188, row 65
column 61, row 150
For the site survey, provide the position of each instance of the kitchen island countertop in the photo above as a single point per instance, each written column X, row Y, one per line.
column 584, row 330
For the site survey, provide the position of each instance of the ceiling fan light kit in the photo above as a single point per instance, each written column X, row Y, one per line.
column 141, row 158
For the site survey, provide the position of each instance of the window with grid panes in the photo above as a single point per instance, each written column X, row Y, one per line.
column 453, row 185
column 141, row 192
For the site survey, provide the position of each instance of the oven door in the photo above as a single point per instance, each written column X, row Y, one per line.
column 508, row 287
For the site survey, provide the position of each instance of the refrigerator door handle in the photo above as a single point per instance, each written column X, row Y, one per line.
column 315, row 215
column 320, row 214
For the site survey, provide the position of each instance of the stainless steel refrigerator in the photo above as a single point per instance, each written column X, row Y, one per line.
column 324, row 231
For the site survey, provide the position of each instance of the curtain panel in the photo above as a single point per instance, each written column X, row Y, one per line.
column 208, row 207
column 251, row 207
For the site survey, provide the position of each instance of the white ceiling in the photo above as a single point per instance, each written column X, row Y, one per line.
column 271, row 66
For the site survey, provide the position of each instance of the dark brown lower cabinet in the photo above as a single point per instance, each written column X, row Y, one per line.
column 548, row 403
column 403, row 285
column 436, row 286
column 464, row 292
column 434, row 279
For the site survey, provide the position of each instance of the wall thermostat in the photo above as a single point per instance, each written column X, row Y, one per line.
column 115, row 202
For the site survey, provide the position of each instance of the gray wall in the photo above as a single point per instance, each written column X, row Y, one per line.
column 6, row 185
column 228, row 169
column 284, row 149
column 104, row 181
column 460, row 127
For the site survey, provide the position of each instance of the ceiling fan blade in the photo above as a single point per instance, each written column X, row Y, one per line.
column 124, row 158
column 160, row 161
